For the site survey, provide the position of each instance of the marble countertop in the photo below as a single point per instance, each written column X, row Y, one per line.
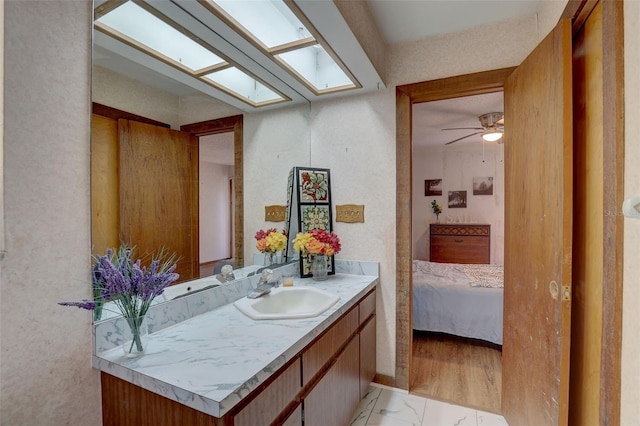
column 213, row 360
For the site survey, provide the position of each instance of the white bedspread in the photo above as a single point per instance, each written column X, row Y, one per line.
column 464, row 300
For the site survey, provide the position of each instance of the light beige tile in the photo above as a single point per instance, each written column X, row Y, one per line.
column 490, row 419
column 438, row 413
column 365, row 407
column 399, row 407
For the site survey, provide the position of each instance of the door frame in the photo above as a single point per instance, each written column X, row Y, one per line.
column 406, row 96
column 223, row 125
column 613, row 158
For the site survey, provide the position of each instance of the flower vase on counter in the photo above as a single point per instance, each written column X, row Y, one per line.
column 271, row 243
column 316, row 247
column 119, row 278
column 319, row 267
column 135, row 336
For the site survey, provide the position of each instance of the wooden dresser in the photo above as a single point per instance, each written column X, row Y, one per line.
column 460, row 243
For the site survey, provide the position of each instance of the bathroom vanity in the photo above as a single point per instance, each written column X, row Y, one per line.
column 221, row 367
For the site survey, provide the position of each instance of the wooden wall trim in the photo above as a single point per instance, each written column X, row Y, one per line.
column 613, row 162
column 115, row 114
column 406, row 96
column 212, row 127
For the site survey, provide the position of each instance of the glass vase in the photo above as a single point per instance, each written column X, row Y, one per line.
column 319, row 268
column 270, row 258
column 135, row 336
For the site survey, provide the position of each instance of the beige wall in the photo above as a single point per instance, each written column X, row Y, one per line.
column 45, row 370
column 457, row 165
column 631, row 293
column 45, row 373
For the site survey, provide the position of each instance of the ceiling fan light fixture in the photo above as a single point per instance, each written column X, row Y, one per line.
column 492, row 135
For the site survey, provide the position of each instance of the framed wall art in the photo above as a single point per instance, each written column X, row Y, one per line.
column 308, row 208
column 433, row 187
column 483, row 185
column 457, row 199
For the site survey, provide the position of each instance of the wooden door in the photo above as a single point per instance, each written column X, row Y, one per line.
column 105, row 200
column 159, row 192
column 538, row 234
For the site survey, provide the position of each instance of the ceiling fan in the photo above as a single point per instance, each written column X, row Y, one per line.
column 492, row 128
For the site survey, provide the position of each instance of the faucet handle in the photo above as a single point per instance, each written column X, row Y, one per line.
column 266, row 275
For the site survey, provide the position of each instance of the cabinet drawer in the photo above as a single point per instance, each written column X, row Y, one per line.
column 367, row 306
column 459, row 249
column 321, row 352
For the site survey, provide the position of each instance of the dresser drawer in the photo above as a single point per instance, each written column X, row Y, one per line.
column 460, row 244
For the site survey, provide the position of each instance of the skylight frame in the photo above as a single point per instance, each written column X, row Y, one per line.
column 274, row 51
column 199, row 74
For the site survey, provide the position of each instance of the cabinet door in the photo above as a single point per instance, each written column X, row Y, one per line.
column 367, row 355
column 322, row 351
column 270, row 403
column 295, row 419
column 336, row 396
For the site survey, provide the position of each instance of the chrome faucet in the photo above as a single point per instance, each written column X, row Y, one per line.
column 264, row 285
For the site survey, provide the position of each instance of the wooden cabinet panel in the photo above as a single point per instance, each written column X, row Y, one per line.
column 295, row 418
column 460, row 243
column 274, row 398
column 367, row 355
column 335, row 397
column 321, row 352
column 125, row 404
column 367, row 307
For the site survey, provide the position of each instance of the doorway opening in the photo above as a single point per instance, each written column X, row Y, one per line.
column 216, row 209
column 406, row 97
column 457, row 342
column 224, row 138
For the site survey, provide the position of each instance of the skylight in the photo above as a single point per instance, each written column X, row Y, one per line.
column 137, row 27
column 277, row 28
column 270, row 22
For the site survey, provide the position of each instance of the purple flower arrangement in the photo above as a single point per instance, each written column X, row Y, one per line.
column 130, row 286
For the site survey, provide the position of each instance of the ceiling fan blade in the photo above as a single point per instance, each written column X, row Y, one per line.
column 465, row 128
column 464, row 137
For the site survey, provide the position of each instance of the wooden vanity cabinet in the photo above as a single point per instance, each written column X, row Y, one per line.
column 321, row 385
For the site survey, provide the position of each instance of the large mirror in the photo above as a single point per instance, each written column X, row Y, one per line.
column 167, row 171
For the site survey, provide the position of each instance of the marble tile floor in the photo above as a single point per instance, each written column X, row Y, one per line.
column 384, row 406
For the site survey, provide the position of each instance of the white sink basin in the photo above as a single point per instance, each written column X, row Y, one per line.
column 287, row 303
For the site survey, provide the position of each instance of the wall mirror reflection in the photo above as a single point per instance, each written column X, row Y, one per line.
column 167, row 171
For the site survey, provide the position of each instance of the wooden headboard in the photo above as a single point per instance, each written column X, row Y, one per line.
column 460, row 243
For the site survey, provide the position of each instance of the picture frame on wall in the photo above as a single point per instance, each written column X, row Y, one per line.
column 483, row 185
column 432, row 187
column 457, row 199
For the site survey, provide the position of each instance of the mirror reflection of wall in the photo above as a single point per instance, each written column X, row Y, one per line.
column 216, row 200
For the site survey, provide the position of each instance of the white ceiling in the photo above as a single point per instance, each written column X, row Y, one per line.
column 402, row 21
column 406, row 20
column 429, row 118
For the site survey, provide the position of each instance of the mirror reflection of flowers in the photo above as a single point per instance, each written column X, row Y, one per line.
column 317, row 241
column 271, row 241
column 117, row 278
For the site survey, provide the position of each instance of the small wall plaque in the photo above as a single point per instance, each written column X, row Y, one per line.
column 350, row 213
column 275, row 213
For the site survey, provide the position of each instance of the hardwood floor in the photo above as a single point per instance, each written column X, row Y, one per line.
column 457, row 370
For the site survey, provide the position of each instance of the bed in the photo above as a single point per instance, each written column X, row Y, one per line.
column 460, row 299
